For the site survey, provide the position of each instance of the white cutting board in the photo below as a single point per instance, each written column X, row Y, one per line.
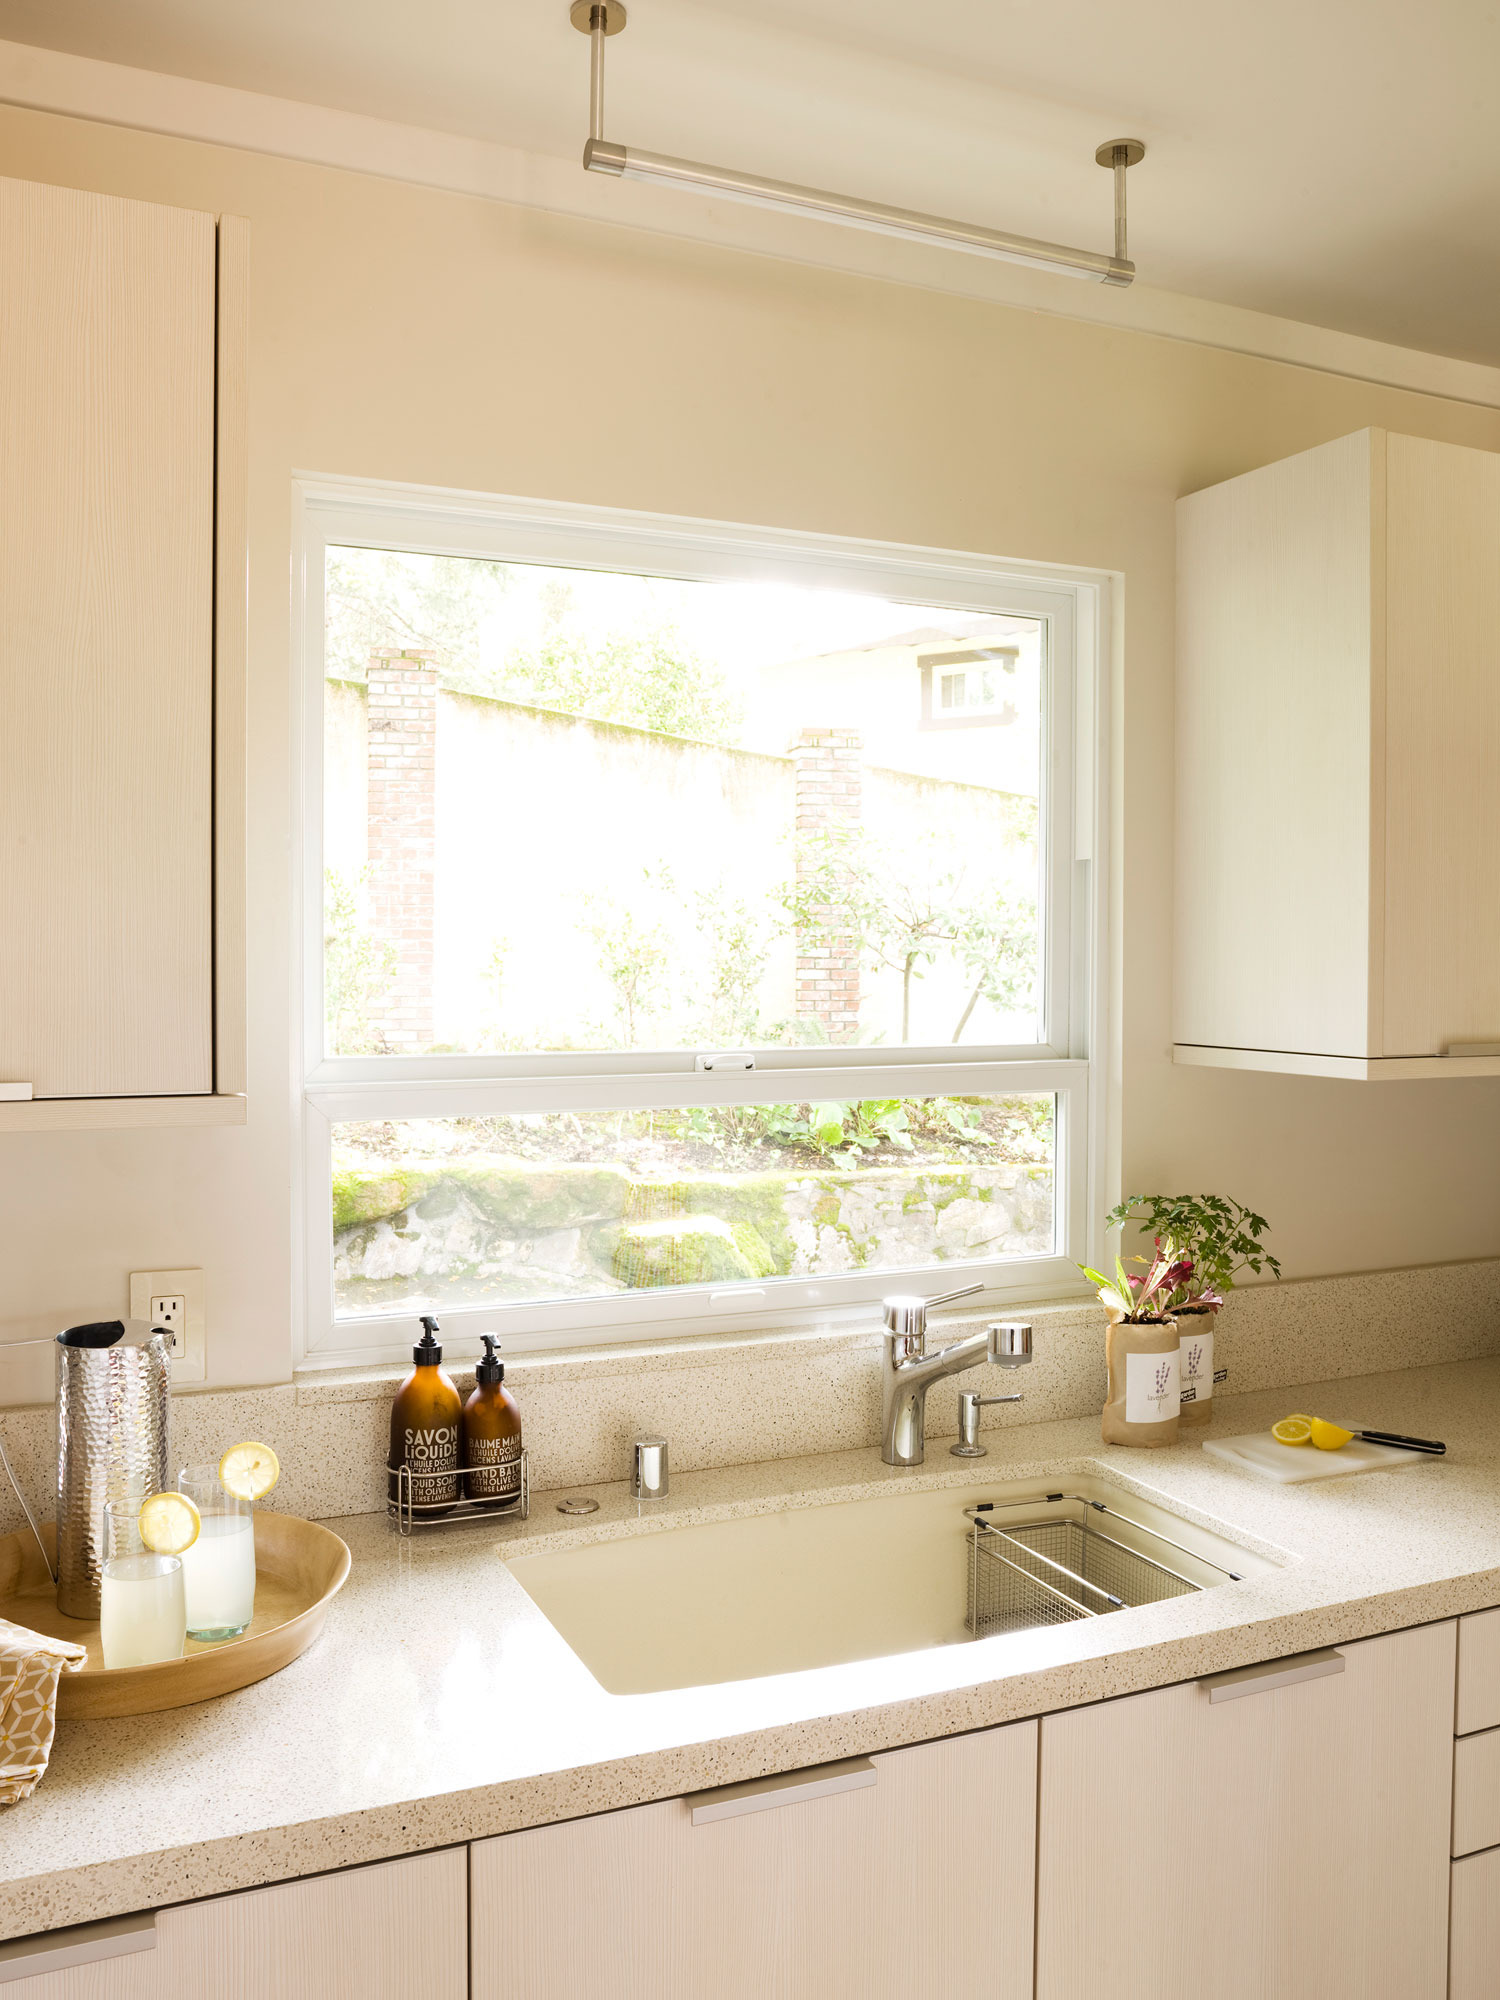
column 1292, row 1464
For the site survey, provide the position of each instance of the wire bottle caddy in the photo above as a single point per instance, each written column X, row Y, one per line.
column 409, row 1515
column 1067, row 1566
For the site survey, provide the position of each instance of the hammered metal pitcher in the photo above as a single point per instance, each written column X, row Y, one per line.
column 113, row 1383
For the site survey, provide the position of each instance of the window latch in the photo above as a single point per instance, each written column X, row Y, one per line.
column 740, row 1059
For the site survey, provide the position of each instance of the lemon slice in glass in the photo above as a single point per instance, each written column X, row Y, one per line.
column 1292, row 1430
column 1329, row 1437
column 249, row 1471
column 168, row 1523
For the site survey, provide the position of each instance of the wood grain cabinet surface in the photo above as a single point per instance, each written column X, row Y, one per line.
column 1474, row 1946
column 919, row 1883
column 1478, row 1672
column 396, row 1930
column 121, row 661
column 1290, row 1844
column 1338, row 747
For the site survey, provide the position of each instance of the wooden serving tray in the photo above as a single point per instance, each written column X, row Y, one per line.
column 299, row 1569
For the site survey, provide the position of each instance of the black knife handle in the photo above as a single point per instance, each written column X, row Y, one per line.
column 1430, row 1445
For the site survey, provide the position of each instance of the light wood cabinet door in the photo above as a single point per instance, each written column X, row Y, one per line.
column 107, row 437
column 1338, row 756
column 113, row 1960
column 393, row 1931
column 1290, row 1844
column 919, row 1883
column 1478, row 1672
column 1474, row 1946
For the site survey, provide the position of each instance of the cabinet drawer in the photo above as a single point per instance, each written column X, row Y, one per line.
column 391, row 1931
column 1474, row 1940
column 1478, row 1672
column 1476, row 1792
column 910, row 1875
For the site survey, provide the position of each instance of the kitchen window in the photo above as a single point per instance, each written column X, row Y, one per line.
column 661, row 970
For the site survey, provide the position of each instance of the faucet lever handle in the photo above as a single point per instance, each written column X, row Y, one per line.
column 906, row 1314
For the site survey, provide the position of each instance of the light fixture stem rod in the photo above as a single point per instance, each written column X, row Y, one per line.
column 597, row 19
column 1122, row 167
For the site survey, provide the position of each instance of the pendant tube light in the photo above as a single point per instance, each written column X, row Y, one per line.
column 599, row 19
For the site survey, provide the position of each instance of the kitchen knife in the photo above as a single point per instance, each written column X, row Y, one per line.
column 1431, row 1446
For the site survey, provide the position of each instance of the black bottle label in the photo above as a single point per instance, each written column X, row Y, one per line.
column 503, row 1482
column 433, row 1458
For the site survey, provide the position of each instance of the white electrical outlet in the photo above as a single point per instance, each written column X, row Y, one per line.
column 174, row 1299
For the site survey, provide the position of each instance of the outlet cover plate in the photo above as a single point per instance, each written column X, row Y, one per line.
column 190, row 1358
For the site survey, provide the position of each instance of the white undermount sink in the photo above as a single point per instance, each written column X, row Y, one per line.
column 825, row 1584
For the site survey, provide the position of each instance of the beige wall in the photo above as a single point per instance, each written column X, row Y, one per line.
column 408, row 335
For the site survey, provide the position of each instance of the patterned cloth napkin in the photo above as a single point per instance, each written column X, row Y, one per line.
column 30, row 1667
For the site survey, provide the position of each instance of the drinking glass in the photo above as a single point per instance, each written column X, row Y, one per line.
column 142, row 1616
column 219, row 1569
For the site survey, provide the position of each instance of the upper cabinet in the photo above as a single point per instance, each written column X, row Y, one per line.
column 1338, row 764
column 122, row 575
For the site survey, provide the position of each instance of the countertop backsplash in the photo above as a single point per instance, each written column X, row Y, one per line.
column 737, row 1400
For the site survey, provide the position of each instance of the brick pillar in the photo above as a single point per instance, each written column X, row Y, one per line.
column 827, row 767
column 402, row 801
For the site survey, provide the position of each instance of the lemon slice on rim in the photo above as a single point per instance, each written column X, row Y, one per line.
column 1329, row 1437
column 168, row 1523
column 249, row 1471
column 1292, row 1430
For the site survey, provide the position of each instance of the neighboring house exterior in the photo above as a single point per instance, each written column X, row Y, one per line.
column 959, row 701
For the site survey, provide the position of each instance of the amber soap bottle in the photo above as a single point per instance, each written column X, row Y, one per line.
column 492, row 1433
column 425, row 1421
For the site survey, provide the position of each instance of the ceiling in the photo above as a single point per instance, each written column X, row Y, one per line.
column 1332, row 161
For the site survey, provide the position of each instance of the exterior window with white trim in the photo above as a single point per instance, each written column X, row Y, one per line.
column 663, row 958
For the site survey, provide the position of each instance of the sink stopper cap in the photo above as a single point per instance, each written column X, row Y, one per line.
column 491, row 1368
column 428, row 1351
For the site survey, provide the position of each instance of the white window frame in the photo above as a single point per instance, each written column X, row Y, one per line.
column 1071, row 1063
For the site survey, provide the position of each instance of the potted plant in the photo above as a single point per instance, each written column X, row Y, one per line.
column 1142, row 1348
column 1211, row 1239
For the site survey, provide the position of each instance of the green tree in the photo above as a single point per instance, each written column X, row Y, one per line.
column 738, row 939
column 996, row 943
column 357, row 968
column 897, row 912
column 904, row 910
column 375, row 598
column 646, row 677
column 634, row 951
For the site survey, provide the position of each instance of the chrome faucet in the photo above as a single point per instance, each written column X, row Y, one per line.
column 909, row 1371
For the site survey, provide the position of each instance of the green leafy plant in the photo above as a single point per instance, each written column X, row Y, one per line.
column 1215, row 1238
column 903, row 910
column 1139, row 1298
column 633, row 956
column 357, row 968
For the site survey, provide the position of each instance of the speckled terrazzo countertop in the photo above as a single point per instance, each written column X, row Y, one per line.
column 439, row 1706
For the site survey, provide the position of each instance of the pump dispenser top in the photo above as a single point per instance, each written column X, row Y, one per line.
column 492, row 1433
column 425, row 1421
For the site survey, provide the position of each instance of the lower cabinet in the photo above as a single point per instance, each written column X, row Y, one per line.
column 1270, row 1837
column 1281, row 1833
column 830, row 1888
column 1474, row 1948
column 393, row 1931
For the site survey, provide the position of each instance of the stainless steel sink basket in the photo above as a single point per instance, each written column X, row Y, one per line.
column 1066, row 1566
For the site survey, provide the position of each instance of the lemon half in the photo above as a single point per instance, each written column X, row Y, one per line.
column 1293, row 1430
column 249, row 1471
column 1329, row 1437
column 168, row 1523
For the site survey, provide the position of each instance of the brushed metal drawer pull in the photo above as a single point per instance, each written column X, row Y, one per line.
column 1272, row 1674
column 788, row 1788
column 80, row 1944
